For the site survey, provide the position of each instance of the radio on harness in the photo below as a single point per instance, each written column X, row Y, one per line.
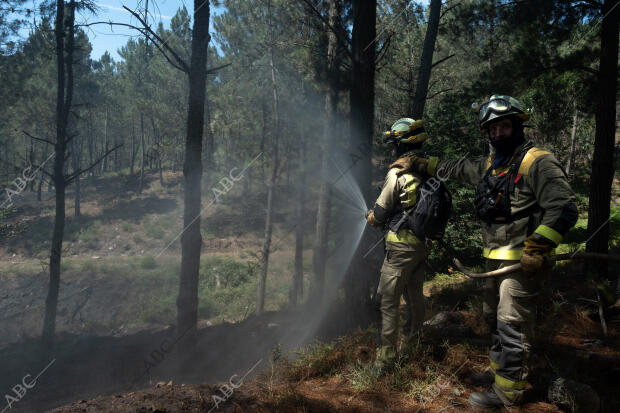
column 492, row 199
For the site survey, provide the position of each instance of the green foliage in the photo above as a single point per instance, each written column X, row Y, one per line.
column 463, row 233
column 89, row 233
column 89, row 267
column 362, row 377
column 316, row 358
column 225, row 272
column 7, row 211
column 148, row 262
column 443, row 280
column 425, row 390
column 577, row 236
column 399, row 378
column 155, row 231
column 66, row 265
column 226, row 288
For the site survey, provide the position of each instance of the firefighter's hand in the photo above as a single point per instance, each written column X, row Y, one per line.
column 533, row 257
column 410, row 163
column 372, row 221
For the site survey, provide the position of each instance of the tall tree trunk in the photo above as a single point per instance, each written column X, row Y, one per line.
column 40, row 186
column 191, row 240
column 75, row 160
column 116, row 156
column 209, row 142
column 319, row 257
column 604, row 137
column 492, row 46
column 92, row 146
column 63, row 104
column 410, row 89
column 158, row 152
column 298, row 275
column 264, row 265
column 361, row 276
column 133, row 147
column 426, row 62
column 573, row 140
column 31, row 153
column 104, row 166
column 142, row 153
column 263, row 140
column 6, row 161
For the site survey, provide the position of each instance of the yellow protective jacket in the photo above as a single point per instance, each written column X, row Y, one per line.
column 541, row 186
column 397, row 194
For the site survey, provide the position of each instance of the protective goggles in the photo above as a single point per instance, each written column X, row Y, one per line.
column 497, row 106
column 415, row 129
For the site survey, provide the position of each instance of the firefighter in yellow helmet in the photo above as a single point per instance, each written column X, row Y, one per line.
column 526, row 206
column 403, row 268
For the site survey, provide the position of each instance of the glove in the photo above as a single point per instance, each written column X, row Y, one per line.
column 410, row 163
column 372, row 221
column 534, row 253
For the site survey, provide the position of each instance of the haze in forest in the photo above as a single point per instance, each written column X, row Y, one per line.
column 185, row 186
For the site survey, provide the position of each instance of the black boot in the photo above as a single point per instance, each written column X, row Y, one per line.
column 485, row 400
column 485, row 378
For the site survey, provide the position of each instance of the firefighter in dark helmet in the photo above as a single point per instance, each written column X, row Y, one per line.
column 526, row 206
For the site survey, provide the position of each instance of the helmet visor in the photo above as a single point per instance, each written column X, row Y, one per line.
column 497, row 106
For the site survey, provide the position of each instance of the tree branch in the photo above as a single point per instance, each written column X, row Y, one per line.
column 447, row 10
column 38, row 139
column 438, row 93
column 442, row 60
column 70, row 138
column 561, row 67
column 40, row 168
column 591, row 4
column 148, row 33
column 163, row 43
column 384, row 48
column 175, row 65
column 344, row 42
column 70, row 178
column 214, row 70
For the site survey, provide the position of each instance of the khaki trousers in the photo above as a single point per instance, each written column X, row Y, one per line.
column 400, row 269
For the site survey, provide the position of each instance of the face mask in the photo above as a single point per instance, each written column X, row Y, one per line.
column 504, row 148
column 504, row 145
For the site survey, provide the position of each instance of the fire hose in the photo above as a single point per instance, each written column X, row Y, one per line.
column 517, row 267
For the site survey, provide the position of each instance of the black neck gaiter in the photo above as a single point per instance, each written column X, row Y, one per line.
column 504, row 149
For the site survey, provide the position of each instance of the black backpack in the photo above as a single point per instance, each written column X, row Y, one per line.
column 432, row 211
column 430, row 214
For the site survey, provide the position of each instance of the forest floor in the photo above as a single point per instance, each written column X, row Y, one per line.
column 126, row 374
column 431, row 376
column 116, row 312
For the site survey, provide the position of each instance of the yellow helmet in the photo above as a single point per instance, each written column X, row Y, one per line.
column 406, row 130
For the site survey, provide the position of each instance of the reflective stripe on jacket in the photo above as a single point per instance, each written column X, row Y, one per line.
column 400, row 193
column 541, row 185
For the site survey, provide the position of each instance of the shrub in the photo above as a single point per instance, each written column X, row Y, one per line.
column 148, row 262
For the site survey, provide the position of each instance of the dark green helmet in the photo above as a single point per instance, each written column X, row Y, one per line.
column 497, row 107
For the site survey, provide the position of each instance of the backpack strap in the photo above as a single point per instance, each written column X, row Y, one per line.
column 513, row 174
column 529, row 158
